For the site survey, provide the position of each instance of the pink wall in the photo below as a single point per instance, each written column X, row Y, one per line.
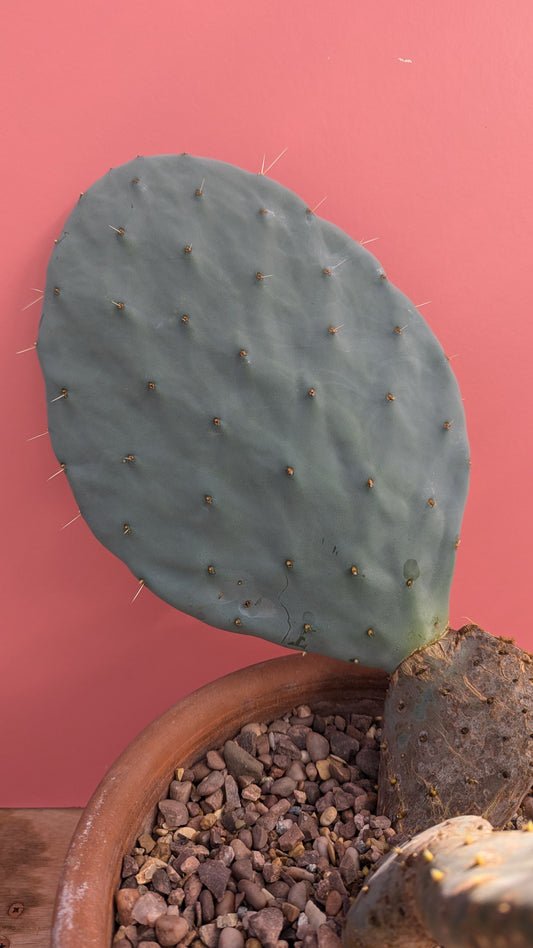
column 415, row 119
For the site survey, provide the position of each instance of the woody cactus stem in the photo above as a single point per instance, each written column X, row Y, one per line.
column 458, row 732
column 458, row 884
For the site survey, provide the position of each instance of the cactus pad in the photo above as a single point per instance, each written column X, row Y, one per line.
column 250, row 415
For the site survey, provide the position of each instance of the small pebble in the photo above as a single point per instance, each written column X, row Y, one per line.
column 317, row 746
column 125, row 900
column 231, row 938
column 170, row 929
column 148, row 908
column 266, row 925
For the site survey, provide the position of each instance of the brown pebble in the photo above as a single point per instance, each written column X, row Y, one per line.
column 242, row 869
column 170, row 929
column 349, row 866
column 259, row 837
column 146, row 842
column 288, row 840
column 161, row 882
column 333, row 902
column 343, row 745
column 214, row 801
column 317, row 746
column 189, row 865
column 174, row 813
column 214, row 875
column 283, row 787
column 148, row 908
column 215, row 760
column 207, row 905
column 297, row 895
column 180, row 790
column 192, row 889
column 240, row 763
column 231, row 919
column 315, row 916
column 328, row 816
column 231, row 938
column 213, row 781
column 225, row 905
column 209, row 934
column 290, row 911
column 251, row 792
column 125, row 899
column 368, row 761
column 326, row 938
column 266, row 925
column 254, row 895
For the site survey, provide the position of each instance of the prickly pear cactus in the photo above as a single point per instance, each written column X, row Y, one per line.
column 457, row 884
column 250, row 415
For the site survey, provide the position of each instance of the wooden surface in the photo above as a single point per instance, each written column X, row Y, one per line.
column 33, row 844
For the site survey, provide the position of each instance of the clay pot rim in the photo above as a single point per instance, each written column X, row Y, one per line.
column 105, row 832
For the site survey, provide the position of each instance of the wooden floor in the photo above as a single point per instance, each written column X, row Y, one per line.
column 33, row 844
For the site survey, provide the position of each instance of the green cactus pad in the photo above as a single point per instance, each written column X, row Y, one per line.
column 250, row 415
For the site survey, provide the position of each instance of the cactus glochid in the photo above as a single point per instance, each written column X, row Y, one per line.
column 252, row 416
column 267, row 432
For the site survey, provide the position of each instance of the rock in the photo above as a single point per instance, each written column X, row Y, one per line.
column 209, row 935
column 342, row 800
column 148, row 869
column 326, row 938
column 334, row 902
column 288, row 840
column 174, row 813
column 231, row 938
column 148, row 908
column 290, row 911
column 253, row 893
column 231, row 790
column 226, row 904
column 213, row 781
column 242, row 869
column 323, row 769
column 266, row 925
column 207, row 905
column 328, row 816
column 349, row 866
column 170, row 929
column 317, row 746
column 229, row 920
column 146, row 842
column 297, row 895
column 283, row 787
column 343, row 745
column 215, row 761
column 315, row 916
column 240, row 763
column 180, row 790
column 125, row 899
column 214, row 875
column 368, row 761
column 161, row 882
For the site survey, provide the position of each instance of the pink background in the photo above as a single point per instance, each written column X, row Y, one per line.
column 415, row 119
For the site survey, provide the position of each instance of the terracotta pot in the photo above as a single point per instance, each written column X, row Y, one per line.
column 125, row 802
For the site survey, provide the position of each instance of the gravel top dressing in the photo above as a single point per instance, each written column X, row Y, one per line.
column 264, row 841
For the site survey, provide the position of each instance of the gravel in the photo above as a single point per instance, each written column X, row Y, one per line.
column 263, row 842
